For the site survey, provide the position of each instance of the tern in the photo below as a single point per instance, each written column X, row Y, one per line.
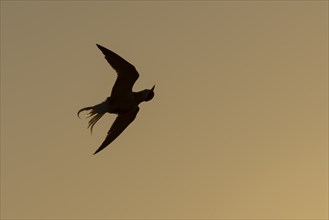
column 123, row 101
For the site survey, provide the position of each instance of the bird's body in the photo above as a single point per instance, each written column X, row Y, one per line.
column 123, row 101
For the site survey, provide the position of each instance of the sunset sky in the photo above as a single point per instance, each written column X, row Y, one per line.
column 238, row 127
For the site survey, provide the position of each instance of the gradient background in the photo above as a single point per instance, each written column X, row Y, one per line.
column 238, row 127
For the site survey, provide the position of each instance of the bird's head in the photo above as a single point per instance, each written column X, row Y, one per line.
column 150, row 94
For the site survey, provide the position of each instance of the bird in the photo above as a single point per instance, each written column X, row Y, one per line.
column 123, row 101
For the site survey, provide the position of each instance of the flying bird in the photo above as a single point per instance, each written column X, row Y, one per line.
column 123, row 101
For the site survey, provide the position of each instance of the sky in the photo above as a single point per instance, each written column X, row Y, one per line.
column 238, row 127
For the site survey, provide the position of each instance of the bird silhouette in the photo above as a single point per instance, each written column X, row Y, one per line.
column 123, row 101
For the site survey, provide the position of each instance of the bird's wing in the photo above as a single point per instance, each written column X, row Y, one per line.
column 127, row 73
column 119, row 125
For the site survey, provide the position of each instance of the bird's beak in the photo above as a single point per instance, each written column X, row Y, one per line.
column 153, row 88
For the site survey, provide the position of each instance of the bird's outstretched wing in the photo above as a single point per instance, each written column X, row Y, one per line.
column 127, row 73
column 119, row 125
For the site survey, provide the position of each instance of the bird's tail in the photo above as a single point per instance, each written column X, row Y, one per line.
column 96, row 112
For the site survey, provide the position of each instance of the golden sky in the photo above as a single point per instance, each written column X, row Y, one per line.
column 238, row 127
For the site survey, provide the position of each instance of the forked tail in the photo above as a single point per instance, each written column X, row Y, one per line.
column 96, row 112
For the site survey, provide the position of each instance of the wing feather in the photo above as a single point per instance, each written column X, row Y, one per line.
column 119, row 125
column 127, row 73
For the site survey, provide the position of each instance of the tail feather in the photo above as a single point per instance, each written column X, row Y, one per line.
column 83, row 109
column 94, row 120
column 96, row 112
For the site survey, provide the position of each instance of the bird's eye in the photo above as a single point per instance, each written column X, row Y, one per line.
column 150, row 96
